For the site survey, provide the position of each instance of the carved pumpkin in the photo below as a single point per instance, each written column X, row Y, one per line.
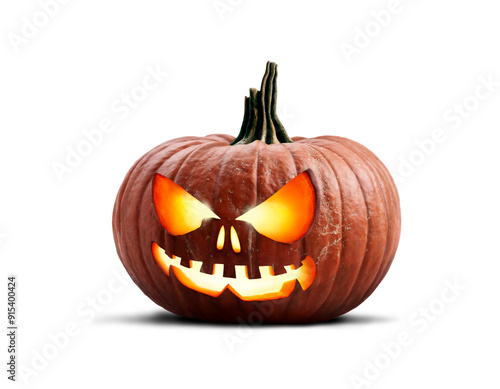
column 217, row 228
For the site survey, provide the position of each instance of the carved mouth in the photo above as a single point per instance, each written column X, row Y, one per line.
column 267, row 287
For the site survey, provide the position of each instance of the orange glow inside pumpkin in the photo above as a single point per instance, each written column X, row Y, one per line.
column 235, row 241
column 267, row 287
column 287, row 215
column 284, row 217
column 179, row 212
column 220, row 238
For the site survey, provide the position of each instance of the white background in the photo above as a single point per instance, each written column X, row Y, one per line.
column 56, row 234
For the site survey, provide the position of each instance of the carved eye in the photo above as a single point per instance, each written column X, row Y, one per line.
column 179, row 212
column 287, row 215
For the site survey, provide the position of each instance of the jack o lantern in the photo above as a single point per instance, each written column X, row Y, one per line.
column 218, row 228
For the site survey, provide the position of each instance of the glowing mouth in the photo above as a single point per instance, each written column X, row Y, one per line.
column 267, row 287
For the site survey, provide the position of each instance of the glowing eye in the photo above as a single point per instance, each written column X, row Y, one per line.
column 287, row 215
column 179, row 212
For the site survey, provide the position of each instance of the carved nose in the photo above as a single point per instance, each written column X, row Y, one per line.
column 221, row 238
column 235, row 241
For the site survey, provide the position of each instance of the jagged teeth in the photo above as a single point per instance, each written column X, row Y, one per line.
column 241, row 271
column 195, row 265
column 266, row 271
column 218, row 269
column 175, row 260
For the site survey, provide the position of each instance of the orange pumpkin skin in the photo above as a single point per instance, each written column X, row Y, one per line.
column 352, row 239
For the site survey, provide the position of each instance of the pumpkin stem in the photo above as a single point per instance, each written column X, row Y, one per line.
column 260, row 121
